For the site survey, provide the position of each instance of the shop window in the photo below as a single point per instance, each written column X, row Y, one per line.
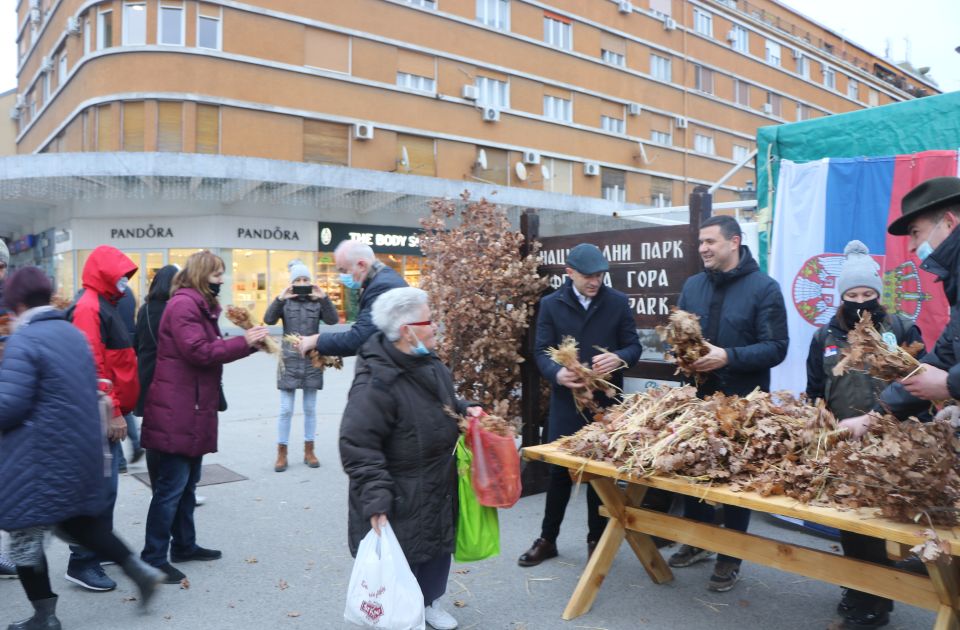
column 106, row 129
column 613, row 184
column 325, row 142
column 179, row 256
column 171, row 25
column 209, row 23
column 169, row 126
column 498, row 167
column 63, row 275
column 327, row 50
column 208, row 129
column 327, row 279
column 419, row 154
column 104, row 30
column 560, row 178
column 133, row 126
column 250, row 289
column 279, row 272
column 134, row 24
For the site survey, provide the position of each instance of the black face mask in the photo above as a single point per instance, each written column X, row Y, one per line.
column 215, row 288
column 852, row 310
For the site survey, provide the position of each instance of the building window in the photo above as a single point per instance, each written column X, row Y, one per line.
column 704, row 79
column 426, row 4
column 46, row 87
column 87, row 44
column 326, row 142
column 613, row 125
column 703, row 144
column 494, row 13
column 208, row 129
column 829, row 77
column 773, row 53
column 853, row 89
column 740, row 153
column 703, row 22
column 132, row 126
column 493, row 93
column 209, row 33
column 134, row 24
column 661, row 137
column 741, row 92
column 420, row 155
column 104, row 29
column 169, row 126
column 774, row 104
column 803, row 66
column 613, row 184
column 62, row 69
column 660, row 68
column 106, row 129
column 873, row 99
column 416, row 82
column 661, row 8
column 561, row 176
column 556, row 108
column 803, row 112
column 331, row 51
column 728, row 3
column 740, row 39
column 616, row 59
column 171, row 26
column 661, row 192
column 557, row 31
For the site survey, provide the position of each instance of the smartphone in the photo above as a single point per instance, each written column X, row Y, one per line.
column 302, row 290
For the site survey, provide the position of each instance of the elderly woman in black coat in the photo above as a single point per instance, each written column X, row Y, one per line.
column 397, row 443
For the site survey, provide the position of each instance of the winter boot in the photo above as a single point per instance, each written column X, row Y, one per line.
column 281, row 464
column 44, row 617
column 309, row 458
column 146, row 577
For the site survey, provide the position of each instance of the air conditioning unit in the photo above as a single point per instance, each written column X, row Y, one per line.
column 797, row 54
column 767, row 108
column 680, row 122
column 471, row 92
column 625, row 6
column 491, row 114
column 731, row 35
column 34, row 4
column 46, row 65
column 21, row 102
column 531, row 157
column 635, row 109
column 669, row 24
column 73, row 25
column 363, row 131
column 35, row 16
column 591, row 169
column 14, row 113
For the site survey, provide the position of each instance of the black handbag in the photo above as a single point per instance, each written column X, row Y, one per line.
column 222, row 406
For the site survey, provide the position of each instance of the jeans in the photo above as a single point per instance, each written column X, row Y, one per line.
column 287, row 400
column 173, row 479
column 133, row 432
column 735, row 518
column 81, row 556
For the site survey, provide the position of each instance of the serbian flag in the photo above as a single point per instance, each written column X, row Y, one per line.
column 823, row 205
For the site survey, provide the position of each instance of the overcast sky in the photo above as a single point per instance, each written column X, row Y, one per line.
column 932, row 28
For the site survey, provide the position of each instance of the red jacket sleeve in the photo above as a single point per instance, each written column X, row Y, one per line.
column 86, row 317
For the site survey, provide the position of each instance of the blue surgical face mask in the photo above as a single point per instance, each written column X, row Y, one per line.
column 346, row 279
column 419, row 349
column 122, row 284
column 926, row 248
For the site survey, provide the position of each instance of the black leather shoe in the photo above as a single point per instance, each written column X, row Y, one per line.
column 541, row 550
column 197, row 554
column 865, row 620
column 846, row 605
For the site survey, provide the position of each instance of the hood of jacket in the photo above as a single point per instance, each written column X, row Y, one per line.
column 104, row 268
column 747, row 265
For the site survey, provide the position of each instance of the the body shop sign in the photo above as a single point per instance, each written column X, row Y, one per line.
column 384, row 239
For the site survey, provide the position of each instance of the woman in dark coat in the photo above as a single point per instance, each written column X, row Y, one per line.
column 852, row 394
column 148, row 330
column 397, row 443
column 52, row 447
column 180, row 416
column 301, row 306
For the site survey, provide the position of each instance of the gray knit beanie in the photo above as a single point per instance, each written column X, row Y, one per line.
column 859, row 270
column 298, row 270
column 4, row 253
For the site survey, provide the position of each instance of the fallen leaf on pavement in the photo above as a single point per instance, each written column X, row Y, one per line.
column 251, row 560
column 130, row 598
column 184, row 583
column 283, row 585
column 293, row 613
column 462, row 571
column 459, row 604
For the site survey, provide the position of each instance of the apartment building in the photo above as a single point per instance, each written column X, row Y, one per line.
column 319, row 115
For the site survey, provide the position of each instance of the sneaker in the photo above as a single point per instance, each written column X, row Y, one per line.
column 137, row 455
column 91, row 577
column 8, row 570
column 439, row 619
column 172, row 575
column 200, row 499
column 197, row 554
column 725, row 576
column 687, row 556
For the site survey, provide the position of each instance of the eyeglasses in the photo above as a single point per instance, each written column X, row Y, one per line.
column 423, row 323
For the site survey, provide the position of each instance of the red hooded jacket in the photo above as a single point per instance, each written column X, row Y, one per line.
column 96, row 315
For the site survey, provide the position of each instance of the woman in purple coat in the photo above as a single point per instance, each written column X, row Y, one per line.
column 180, row 415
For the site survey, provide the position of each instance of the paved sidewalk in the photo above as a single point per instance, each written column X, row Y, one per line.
column 286, row 563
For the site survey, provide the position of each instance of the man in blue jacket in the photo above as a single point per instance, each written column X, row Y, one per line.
column 744, row 322
column 359, row 269
column 597, row 317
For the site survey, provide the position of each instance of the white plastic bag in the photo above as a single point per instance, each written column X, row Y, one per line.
column 383, row 592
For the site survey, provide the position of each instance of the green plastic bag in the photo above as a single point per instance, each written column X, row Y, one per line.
column 478, row 530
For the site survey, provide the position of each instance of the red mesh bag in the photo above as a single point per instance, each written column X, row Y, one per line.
column 495, row 470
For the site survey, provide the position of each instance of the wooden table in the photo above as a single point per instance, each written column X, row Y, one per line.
column 940, row 591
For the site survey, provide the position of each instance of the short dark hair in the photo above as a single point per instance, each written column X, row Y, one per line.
column 727, row 224
column 27, row 286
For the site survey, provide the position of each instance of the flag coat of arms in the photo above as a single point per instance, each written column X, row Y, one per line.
column 820, row 207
